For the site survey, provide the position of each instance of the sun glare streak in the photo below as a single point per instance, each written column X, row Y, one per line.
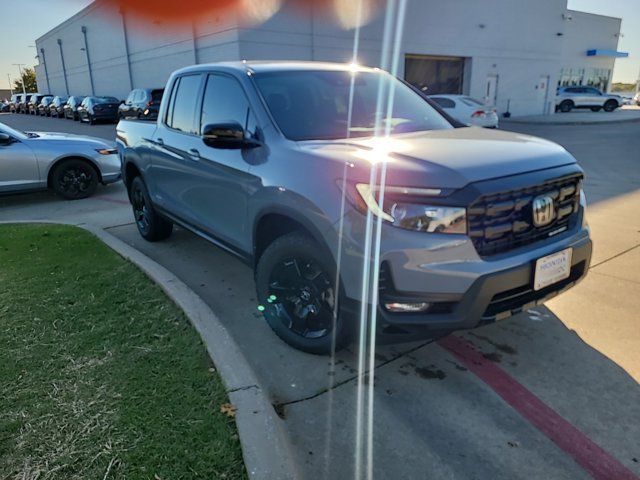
column 378, row 236
column 354, row 68
column 366, row 270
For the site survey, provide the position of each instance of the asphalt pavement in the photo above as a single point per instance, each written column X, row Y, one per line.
column 552, row 393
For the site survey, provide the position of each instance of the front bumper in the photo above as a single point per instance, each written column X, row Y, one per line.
column 494, row 295
column 110, row 167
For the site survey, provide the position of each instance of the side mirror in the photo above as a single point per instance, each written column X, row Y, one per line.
column 229, row 136
column 5, row 139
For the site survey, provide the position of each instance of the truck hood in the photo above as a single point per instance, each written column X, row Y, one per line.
column 446, row 159
column 70, row 138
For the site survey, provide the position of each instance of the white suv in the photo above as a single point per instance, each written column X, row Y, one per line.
column 569, row 98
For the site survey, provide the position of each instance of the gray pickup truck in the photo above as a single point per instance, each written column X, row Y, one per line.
column 272, row 162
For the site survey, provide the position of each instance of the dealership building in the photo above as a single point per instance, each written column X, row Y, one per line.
column 509, row 53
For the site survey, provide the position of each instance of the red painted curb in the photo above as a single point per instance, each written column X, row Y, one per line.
column 596, row 461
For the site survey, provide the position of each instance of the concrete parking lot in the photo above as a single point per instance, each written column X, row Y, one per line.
column 552, row 393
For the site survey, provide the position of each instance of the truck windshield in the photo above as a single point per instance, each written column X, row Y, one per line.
column 314, row 105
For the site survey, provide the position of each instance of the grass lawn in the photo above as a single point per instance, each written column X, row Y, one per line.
column 101, row 376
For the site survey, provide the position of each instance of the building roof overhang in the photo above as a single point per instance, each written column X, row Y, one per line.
column 599, row 52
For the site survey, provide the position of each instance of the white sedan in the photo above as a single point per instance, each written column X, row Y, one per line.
column 467, row 110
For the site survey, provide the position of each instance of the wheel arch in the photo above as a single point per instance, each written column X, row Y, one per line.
column 277, row 221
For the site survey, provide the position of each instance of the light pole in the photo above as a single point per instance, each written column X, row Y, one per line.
column 20, row 65
column 86, row 51
column 10, row 84
column 64, row 68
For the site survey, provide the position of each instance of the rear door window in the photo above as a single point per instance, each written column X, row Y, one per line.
column 181, row 116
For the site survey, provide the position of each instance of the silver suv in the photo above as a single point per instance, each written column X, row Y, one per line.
column 569, row 98
column 280, row 164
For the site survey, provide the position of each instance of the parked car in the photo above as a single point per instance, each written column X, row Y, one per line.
column 71, row 107
column 5, row 106
column 13, row 103
column 34, row 103
column 93, row 109
column 57, row 106
column 568, row 98
column 636, row 99
column 43, row 107
column 271, row 167
column 70, row 165
column 142, row 103
column 23, row 101
column 467, row 110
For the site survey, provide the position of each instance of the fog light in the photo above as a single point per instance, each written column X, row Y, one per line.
column 407, row 307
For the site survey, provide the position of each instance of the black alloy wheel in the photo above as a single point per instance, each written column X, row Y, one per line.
column 151, row 225
column 140, row 210
column 610, row 105
column 301, row 295
column 295, row 282
column 75, row 179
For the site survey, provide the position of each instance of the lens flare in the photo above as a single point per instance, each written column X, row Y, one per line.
column 172, row 12
column 349, row 13
column 258, row 11
column 354, row 13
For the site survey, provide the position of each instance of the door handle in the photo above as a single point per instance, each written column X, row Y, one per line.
column 160, row 142
column 194, row 154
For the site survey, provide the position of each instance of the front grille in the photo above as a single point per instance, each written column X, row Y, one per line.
column 503, row 221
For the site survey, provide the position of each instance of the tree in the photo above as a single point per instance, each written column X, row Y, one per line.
column 29, row 79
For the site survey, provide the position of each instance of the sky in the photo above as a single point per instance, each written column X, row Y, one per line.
column 15, row 37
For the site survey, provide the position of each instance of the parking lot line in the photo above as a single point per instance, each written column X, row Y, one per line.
column 596, row 461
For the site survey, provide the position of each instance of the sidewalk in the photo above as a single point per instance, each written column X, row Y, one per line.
column 628, row 113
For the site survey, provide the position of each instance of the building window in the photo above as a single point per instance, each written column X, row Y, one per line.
column 591, row 77
column 435, row 74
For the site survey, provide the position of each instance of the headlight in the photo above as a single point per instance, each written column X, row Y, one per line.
column 107, row 151
column 412, row 214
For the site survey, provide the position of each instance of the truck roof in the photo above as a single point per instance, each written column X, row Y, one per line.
column 278, row 65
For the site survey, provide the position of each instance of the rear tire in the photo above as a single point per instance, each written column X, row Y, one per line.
column 295, row 283
column 74, row 179
column 566, row 106
column 610, row 105
column 151, row 225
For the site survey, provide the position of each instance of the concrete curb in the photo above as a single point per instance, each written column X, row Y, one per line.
column 265, row 446
column 577, row 122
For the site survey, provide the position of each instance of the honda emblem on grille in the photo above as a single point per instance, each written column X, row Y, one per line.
column 543, row 210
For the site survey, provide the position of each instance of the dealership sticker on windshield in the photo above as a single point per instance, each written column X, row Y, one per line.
column 552, row 269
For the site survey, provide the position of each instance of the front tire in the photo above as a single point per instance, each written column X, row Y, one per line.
column 610, row 106
column 295, row 282
column 151, row 225
column 74, row 179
